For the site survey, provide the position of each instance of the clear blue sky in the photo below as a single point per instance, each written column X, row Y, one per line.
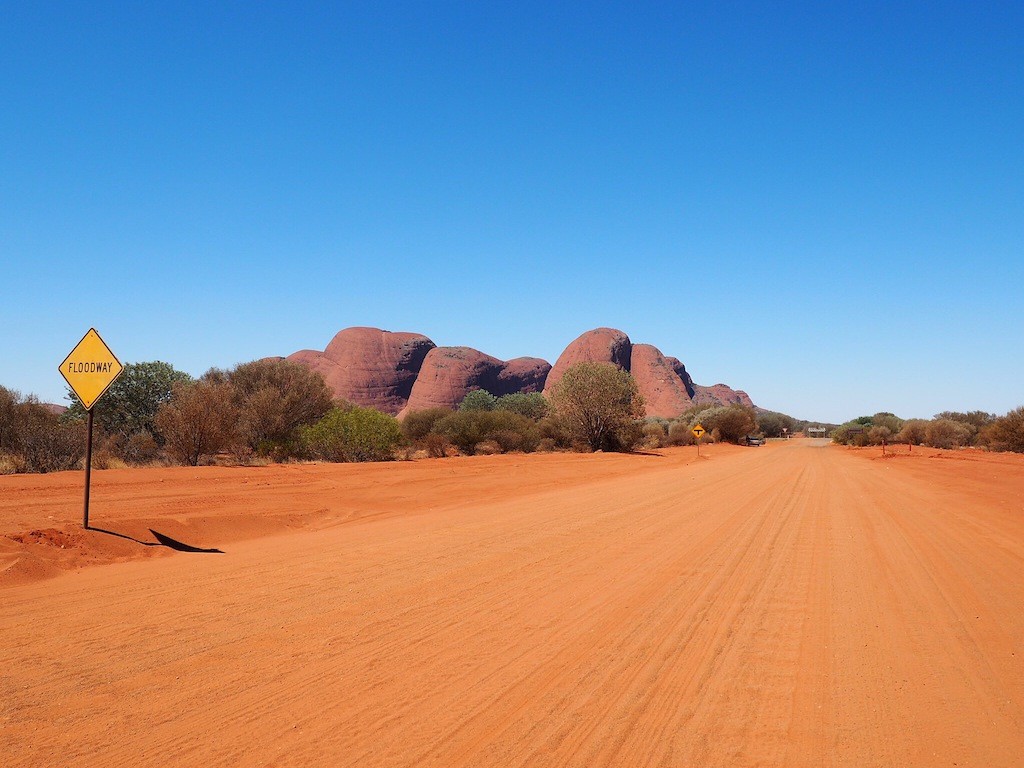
column 822, row 205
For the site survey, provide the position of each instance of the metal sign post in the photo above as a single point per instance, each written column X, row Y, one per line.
column 88, row 471
column 89, row 370
column 698, row 432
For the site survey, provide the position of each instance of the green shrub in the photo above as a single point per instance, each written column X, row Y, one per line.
column 599, row 406
column 478, row 400
column 772, row 424
column 680, row 433
column 729, row 423
column 512, row 432
column 353, row 434
column 532, row 405
column 946, row 433
column 654, row 434
column 416, row 425
column 913, row 432
column 275, row 398
column 131, row 403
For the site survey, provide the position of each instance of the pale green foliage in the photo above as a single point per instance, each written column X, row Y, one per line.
column 532, row 405
column 600, row 406
column 478, row 400
column 353, row 434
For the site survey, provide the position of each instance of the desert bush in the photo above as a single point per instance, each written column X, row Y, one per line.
column 532, row 405
column 772, row 424
column 1006, row 433
column 599, row 406
column 679, row 433
column 729, row 423
column 890, row 421
column 34, row 439
column 436, row 446
column 478, row 400
column 198, row 421
column 12, row 463
column 655, row 434
column 140, row 448
column 416, row 425
column 946, row 433
column 879, row 434
column 49, row 444
column 487, row 448
column 353, row 434
column 851, row 433
column 465, row 429
column 913, row 432
column 977, row 420
column 546, row 445
column 274, row 399
column 9, row 402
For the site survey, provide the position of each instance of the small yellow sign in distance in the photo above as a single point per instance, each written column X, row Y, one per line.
column 90, row 369
column 698, row 431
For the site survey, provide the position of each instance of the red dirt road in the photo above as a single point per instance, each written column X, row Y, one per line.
column 786, row 605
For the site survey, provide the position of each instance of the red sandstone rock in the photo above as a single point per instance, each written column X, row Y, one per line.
column 523, row 374
column 601, row 345
column 680, row 371
column 370, row 367
column 449, row 373
column 398, row 372
column 721, row 394
column 664, row 390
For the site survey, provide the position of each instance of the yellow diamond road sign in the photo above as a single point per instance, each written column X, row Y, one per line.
column 698, row 431
column 90, row 368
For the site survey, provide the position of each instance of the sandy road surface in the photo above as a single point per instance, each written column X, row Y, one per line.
column 788, row 605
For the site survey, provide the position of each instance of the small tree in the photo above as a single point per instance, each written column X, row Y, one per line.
column 353, row 434
column 274, row 398
column 600, row 406
column 198, row 421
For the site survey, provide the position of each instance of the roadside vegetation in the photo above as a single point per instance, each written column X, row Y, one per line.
column 949, row 429
column 274, row 410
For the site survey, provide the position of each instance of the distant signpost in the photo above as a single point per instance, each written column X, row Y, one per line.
column 698, row 432
column 89, row 370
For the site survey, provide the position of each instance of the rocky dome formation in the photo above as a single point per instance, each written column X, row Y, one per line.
column 523, row 374
column 399, row 372
column 370, row 367
column 720, row 394
column 601, row 345
column 665, row 391
column 448, row 374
